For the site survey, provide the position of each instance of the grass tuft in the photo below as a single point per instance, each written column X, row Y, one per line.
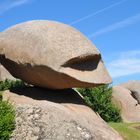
column 129, row 131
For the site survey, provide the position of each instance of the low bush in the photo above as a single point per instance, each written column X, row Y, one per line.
column 99, row 99
column 7, row 84
column 7, row 118
column 7, row 112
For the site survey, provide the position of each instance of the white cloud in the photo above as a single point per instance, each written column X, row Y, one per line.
column 9, row 4
column 97, row 12
column 125, row 63
column 122, row 24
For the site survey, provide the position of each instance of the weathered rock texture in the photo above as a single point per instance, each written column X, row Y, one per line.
column 62, row 116
column 127, row 96
column 51, row 54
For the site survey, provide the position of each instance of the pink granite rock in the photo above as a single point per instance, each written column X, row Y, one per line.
column 51, row 54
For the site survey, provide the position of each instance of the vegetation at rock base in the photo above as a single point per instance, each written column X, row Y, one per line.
column 8, row 84
column 7, row 112
column 129, row 131
column 7, row 120
column 99, row 99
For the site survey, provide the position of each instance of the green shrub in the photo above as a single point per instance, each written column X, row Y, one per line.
column 99, row 99
column 7, row 112
column 7, row 84
column 0, row 96
column 7, row 118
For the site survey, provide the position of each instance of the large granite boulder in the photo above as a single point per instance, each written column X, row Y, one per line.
column 51, row 54
column 56, row 115
column 134, row 87
column 126, row 96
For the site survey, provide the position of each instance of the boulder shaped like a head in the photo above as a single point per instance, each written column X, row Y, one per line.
column 51, row 54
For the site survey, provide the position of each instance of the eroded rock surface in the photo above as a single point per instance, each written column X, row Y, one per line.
column 51, row 54
column 61, row 117
column 127, row 96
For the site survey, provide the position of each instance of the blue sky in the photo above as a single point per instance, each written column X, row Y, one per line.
column 112, row 25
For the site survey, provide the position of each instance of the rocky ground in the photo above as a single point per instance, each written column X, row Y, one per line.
column 30, row 125
column 65, row 119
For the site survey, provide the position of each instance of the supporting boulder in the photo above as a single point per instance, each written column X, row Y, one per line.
column 56, row 115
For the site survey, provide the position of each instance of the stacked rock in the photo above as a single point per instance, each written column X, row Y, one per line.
column 51, row 54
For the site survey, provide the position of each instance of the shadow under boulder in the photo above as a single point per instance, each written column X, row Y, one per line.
column 57, row 96
column 56, row 115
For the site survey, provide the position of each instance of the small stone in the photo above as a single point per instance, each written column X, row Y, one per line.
column 68, row 135
column 83, row 133
column 36, row 130
column 87, row 136
column 30, row 117
column 34, row 138
column 38, row 111
column 30, row 111
column 19, row 119
column 36, row 116
column 79, row 128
